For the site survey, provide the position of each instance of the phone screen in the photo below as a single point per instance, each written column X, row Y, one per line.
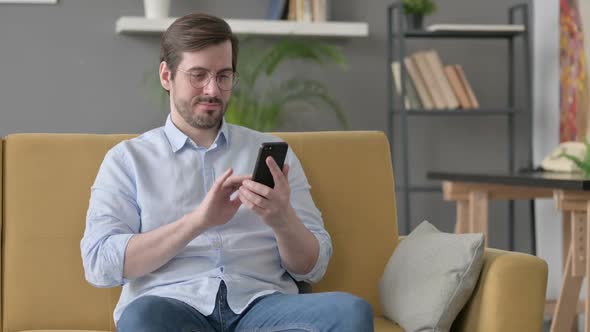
column 276, row 150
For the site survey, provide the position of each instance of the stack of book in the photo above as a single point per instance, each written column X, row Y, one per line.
column 298, row 10
column 431, row 85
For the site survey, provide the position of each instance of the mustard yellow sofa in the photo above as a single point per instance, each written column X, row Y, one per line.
column 46, row 181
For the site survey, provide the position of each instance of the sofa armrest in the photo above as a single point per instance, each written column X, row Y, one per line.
column 509, row 295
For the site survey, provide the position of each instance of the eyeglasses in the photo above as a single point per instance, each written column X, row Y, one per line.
column 226, row 80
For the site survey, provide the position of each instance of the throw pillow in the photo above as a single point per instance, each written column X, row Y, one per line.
column 430, row 277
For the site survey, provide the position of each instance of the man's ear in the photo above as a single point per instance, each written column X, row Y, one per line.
column 165, row 75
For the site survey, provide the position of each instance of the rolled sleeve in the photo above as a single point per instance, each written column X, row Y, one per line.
column 311, row 217
column 112, row 219
column 321, row 265
column 105, row 267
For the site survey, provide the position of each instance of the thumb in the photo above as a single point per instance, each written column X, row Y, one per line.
column 219, row 182
column 236, row 202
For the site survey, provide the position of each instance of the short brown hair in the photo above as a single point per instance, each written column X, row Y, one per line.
column 194, row 32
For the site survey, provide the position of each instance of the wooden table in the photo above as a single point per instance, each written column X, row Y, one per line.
column 571, row 192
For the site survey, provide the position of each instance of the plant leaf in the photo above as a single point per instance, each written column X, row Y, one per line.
column 312, row 93
column 292, row 49
column 257, row 101
column 584, row 167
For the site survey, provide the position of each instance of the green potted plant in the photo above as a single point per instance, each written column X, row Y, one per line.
column 583, row 164
column 415, row 10
column 260, row 98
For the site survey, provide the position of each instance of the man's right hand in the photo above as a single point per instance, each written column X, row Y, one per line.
column 218, row 207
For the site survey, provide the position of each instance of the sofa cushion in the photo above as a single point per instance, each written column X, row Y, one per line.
column 430, row 277
column 61, row 331
column 382, row 324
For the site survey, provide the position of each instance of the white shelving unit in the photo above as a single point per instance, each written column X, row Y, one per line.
column 142, row 25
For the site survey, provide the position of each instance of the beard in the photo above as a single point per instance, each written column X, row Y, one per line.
column 210, row 120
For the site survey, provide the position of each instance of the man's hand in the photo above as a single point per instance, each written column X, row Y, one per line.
column 218, row 207
column 272, row 205
column 298, row 247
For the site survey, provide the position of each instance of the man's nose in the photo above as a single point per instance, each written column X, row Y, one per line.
column 211, row 87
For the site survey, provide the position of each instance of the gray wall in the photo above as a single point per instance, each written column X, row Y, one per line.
column 64, row 69
column 546, row 120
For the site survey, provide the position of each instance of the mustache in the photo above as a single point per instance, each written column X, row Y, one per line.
column 208, row 100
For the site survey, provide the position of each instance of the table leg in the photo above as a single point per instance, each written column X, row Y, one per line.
column 462, row 224
column 568, row 298
column 566, row 224
column 478, row 213
column 578, row 243
column 566, row 227
column 587, row 261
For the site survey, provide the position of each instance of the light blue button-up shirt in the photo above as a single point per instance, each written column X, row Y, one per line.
column 158, row 177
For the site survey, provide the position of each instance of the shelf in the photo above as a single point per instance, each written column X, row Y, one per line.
column 461, row 112
column 461, row 34
column 399, row 40
column 142, row 25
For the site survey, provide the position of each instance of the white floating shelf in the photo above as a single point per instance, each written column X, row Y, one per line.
column 142, row 25
column 477, row 27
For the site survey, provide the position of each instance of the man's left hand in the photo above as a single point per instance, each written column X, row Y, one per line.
column 271, row 204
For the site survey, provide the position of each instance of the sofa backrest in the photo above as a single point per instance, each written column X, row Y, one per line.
column 47, row 179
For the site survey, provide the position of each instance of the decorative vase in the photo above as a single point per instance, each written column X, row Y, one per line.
column 414, row 21
column 156, row 8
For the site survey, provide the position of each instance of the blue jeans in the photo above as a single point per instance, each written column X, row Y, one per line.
column 319, row 312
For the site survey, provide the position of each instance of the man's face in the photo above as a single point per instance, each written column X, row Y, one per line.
column 201, row 105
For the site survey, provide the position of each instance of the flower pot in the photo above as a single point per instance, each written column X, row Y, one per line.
column 156, row 8
column 415, row 21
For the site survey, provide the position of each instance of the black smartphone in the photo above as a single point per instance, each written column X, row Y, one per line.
column 276, row 150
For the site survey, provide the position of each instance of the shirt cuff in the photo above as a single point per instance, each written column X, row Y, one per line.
column 321, row 265
column 113, row 253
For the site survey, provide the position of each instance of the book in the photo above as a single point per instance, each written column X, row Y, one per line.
column 412, row 93
column 395, row 71
column 472, row 99
column 422, row 92
column 429, row 80
column 298, row 10
column 438, row 72
column 307, row 14
column 411, row 100
column 477, row 27
column 457, row 87
column 277, row 9
column 292, row 16
column 319, row 10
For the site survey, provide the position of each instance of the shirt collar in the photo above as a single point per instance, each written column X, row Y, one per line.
column 178, row 139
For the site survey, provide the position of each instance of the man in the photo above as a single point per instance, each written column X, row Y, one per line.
column 195, row 246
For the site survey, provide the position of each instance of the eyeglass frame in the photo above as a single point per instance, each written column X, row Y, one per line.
column 236, row 78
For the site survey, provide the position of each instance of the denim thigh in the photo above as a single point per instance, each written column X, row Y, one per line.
column 162, row 314
column 319, row 312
